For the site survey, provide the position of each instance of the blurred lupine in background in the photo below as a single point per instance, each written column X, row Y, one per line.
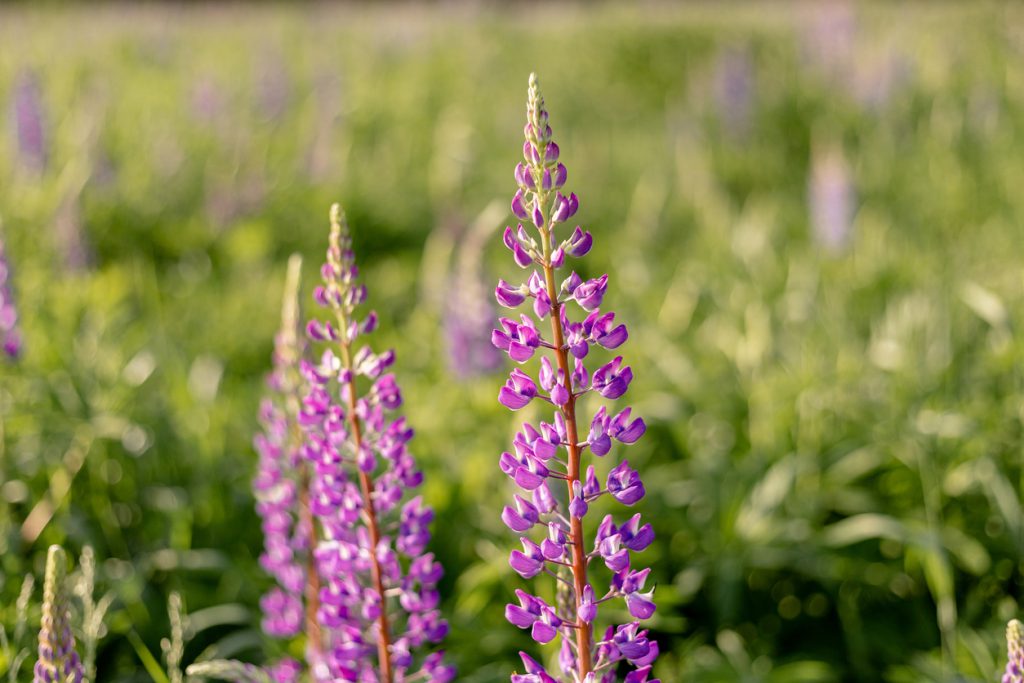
column 468, row 312
column 830, row 39
column 378, row 595
column 281, row 486
column 58, row 660
column 830, row 198
column 10, row 337
column 554, row 451
column 1014, row 652
column 28, row 123
column 734, row 91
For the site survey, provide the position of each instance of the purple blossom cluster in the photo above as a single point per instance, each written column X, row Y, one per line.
column 1015, row 653
column 551, row 525
column 10, row 337
column 378, row 592
column 280, row 489
column 58, row 661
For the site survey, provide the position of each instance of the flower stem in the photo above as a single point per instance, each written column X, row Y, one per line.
column 584, row 636
column 314, row 639
column 366, row 486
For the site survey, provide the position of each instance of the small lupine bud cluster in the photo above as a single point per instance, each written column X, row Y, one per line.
column 1015, row 652
column 552, row 533
column 58, row 661
column 10, row 337
column 378, row 597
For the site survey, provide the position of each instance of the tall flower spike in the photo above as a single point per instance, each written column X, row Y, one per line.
column 378, row 596
column 281, row 486
column 10, row 337
column 58, row 662
column 552, row 527
column 1015, row 652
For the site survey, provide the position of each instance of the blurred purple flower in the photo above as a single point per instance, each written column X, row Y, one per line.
column 830, row 38
column 28, row 119
column 734, row 91
column 468, row 313
column 10, row 336
column 280, row 485
column 273, row 86
column 831, row 199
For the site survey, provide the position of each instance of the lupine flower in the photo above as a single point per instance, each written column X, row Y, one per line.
column 1015, row 652
column 830, row 198
column 273, row 86
column 734, row 91
column 281, row 485
column 10, row 337
column 58, row 661
column 468, row 312
column 552, row 536
column 28, row 122
column 830, row 39
column 378, row 596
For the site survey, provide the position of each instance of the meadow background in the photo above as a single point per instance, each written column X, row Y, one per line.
column 811, row 215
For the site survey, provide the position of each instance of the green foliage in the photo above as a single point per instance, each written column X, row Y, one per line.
column 834, row 454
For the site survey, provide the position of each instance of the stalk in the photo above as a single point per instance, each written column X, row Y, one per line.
column 584, row 631
column 537, row 457
column 372, row 526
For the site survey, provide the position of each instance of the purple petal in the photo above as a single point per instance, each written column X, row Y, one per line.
column 543, row 633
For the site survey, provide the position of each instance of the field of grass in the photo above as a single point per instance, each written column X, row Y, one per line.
column 812, row 219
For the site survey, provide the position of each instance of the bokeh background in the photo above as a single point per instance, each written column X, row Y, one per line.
column 811, row 214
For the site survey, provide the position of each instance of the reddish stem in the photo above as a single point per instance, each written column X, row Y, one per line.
column 584, row 635
column 366, row 486
column 313, row 637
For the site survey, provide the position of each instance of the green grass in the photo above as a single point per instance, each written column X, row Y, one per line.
column 834, row 459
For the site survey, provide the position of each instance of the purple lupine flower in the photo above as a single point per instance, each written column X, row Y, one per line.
column 468, row 312
column 378, row 594
column 280, row 485
column 551, row 531
column 830, row 38
column 58, row 661
column 1015, row 652
column 28, row 123
column 10, row 337
column 734, row 91
column 830, row 198
column 273, row 86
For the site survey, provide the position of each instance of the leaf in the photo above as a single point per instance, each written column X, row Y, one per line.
column 230, row 670
column 152, row 666
column 863, row 527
